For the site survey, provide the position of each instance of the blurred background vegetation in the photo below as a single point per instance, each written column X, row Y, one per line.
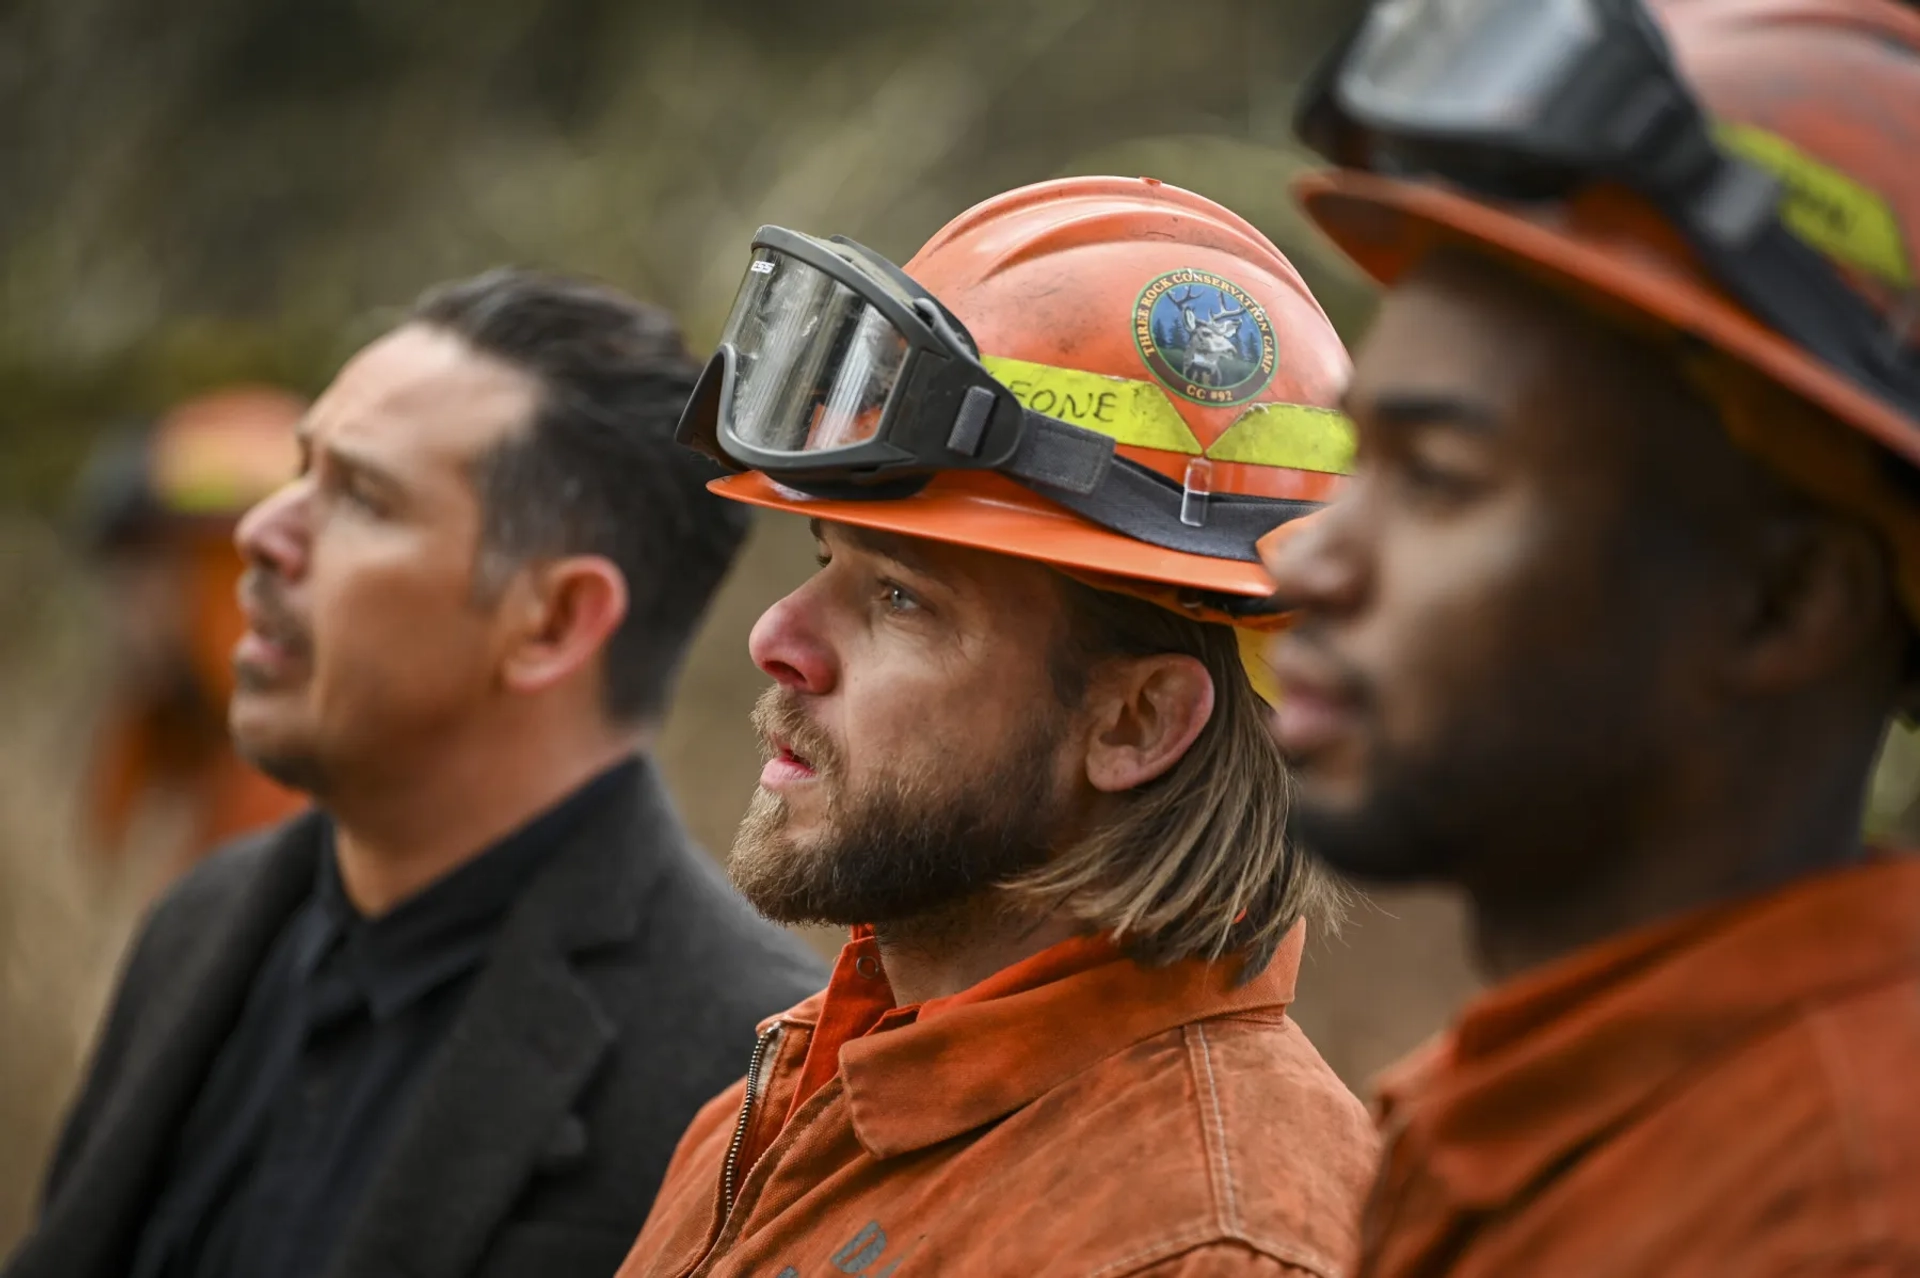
column 202, row 191
column 213, row 188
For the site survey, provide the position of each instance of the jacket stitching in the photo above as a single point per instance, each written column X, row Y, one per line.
column 1197, row 1236
column 1170, row 1245
column 1217, row 1134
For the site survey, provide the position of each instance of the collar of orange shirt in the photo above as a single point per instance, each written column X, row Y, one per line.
column 1551, row 1061
column 921, row 1074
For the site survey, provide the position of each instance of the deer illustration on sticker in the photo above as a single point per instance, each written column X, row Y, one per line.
column 1204, row 338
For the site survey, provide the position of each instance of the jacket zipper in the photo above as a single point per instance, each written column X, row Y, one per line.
column 729, row 1171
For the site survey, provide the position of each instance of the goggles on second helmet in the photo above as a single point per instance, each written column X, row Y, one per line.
column 838, row 376
column 1529, row 99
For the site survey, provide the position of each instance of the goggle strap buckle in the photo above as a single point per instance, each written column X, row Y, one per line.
column 970, row 423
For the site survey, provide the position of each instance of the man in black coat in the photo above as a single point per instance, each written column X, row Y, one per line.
column 452, row 1021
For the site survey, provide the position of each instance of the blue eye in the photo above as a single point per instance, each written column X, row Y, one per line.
column 898, row 598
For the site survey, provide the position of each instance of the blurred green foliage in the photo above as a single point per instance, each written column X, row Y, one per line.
column 212, row 189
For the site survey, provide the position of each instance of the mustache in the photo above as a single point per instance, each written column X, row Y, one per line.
column 268, row 613
column 779, row 715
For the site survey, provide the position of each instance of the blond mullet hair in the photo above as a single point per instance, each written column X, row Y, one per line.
column 1197, row 863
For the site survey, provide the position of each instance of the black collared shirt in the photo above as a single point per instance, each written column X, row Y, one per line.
column 307, row 1092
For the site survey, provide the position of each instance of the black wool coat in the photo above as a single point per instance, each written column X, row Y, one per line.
column 621, row 994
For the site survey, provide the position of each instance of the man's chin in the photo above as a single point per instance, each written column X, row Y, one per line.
column 277, row 755
column 800, row 882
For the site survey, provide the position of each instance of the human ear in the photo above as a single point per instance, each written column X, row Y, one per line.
column 1821, row 598
column 560, row 615
column 1147, row 713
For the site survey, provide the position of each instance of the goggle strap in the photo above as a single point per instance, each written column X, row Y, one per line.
column 1060, row 455
column 1145, row 505
column 1798, row 293
column 1080, row 470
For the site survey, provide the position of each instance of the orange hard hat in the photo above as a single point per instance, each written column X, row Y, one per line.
column 191, row 473
column 219, row 453
column 1824, row 93
column 1152, row 315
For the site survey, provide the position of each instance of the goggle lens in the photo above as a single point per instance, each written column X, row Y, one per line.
column 814, row 365
column 1466, row 64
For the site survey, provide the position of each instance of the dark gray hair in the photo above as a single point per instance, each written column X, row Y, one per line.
column 598, row 471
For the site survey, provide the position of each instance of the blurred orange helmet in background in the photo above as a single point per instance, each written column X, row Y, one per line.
column 165, row 505
column 210, row 459
column 216, row 455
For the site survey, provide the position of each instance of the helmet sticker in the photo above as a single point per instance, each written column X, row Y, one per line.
column 1204, row 338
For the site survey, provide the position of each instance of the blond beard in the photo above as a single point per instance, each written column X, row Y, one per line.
column 904, row 845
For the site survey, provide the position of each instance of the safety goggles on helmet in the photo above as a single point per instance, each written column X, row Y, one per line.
column 840, row 377
column 1530, row 99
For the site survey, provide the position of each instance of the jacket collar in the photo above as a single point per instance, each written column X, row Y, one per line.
column 969, row 1061
column 446, row 928
column 1548, row 1063
column 497, row 1105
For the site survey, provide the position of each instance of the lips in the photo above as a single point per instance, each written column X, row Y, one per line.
column 274, row 643
column 798, row 751
column 1318, row 706
column 786, row 767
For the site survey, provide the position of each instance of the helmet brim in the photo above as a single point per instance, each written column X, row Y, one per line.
column 1387, row 226
column 988, row 512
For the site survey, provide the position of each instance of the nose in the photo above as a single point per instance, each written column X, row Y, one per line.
column 273, row 535
column 788, row 644
column 1316, row 561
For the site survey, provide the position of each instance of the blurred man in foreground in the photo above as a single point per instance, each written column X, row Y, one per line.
column 158, row 513
column 1031, row 774
column 451, row 1022
column 1613, row 618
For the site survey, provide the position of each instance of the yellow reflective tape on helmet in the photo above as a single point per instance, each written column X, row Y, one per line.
column 1139, row 414
column 1297, row 436
column 1825, row 207
column 1134, row 413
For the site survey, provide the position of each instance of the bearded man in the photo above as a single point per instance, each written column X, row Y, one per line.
column 1029, row 772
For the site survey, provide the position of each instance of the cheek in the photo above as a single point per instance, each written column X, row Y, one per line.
column 937, row 718
column 1463, row 609
column 394, row 618
column 890, row 718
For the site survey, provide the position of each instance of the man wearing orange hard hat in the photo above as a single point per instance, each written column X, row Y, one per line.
column 159, row 513
column 1612, row 618
column 1013, row 743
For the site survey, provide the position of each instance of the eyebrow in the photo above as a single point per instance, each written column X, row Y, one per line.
column 1408, row 409
column 353, row 463
column 890, row 546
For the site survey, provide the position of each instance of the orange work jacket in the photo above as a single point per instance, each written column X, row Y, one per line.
column 1076, row 1114
column 1735, row 1093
